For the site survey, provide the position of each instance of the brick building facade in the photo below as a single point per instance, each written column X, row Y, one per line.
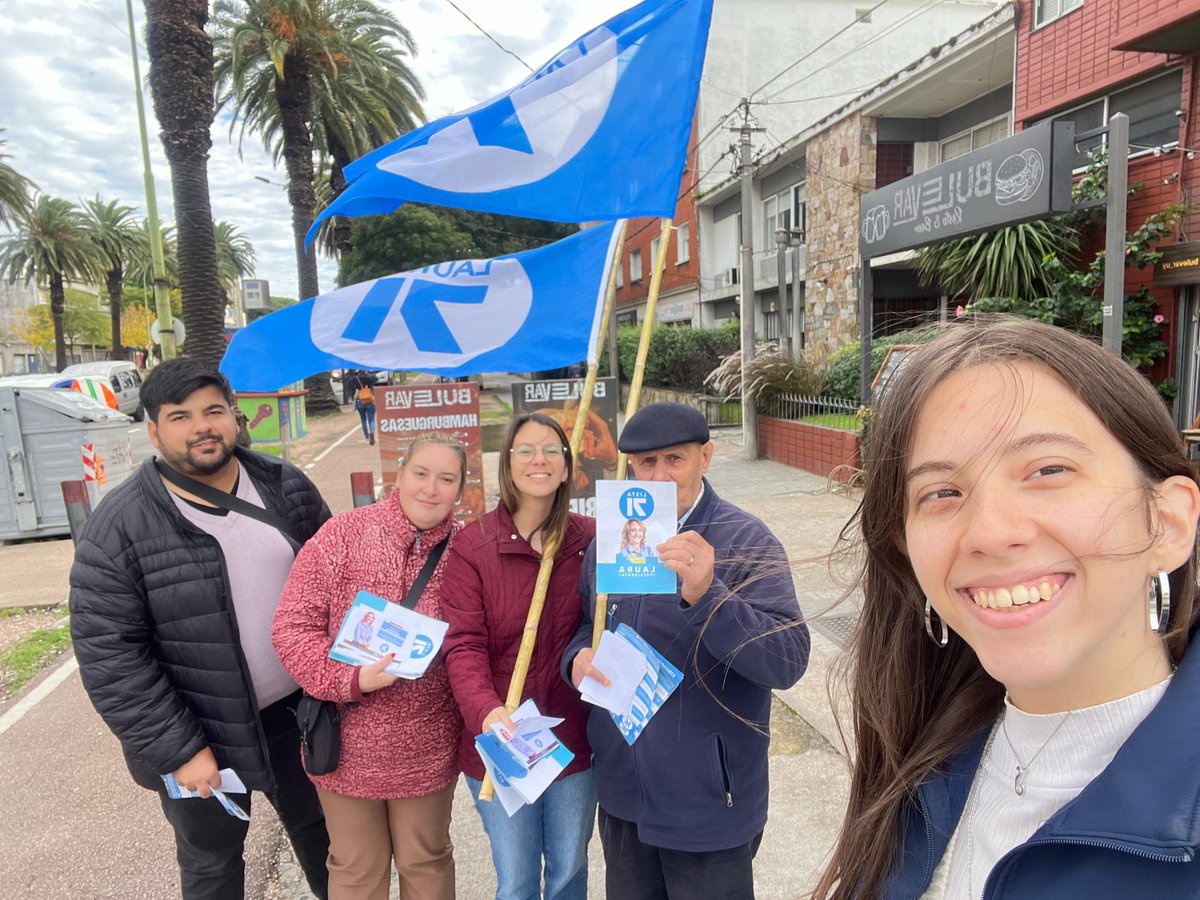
column 1085, row 60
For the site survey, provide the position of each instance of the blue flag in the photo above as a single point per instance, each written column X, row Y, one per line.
column 599, row 132
column 519, row 313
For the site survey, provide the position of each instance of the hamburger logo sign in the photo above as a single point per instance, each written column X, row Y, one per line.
column 1021, row 178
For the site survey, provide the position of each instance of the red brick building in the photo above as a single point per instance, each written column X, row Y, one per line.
column 679, row 295
column 1086, row 60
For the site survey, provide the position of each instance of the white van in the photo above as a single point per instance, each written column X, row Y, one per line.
column 122, row 377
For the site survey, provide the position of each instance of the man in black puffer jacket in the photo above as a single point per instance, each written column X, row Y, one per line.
column 172, row 598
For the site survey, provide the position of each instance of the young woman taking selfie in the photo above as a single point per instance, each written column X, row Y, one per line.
column 1023, row 690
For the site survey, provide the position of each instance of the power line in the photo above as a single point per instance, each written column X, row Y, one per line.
column 894, row 26
column 862, row 16
column 486, row 34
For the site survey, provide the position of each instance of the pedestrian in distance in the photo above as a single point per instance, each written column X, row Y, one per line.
column 364, row 403
column 389, row 799
column 172, row 595
column 489, row 584
column 682, row 810
column 1024, row 689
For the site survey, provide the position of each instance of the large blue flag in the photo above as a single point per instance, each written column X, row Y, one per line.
column 598, row 132
column 525, row 312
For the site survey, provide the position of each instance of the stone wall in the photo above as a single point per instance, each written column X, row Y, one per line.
column 841, row 168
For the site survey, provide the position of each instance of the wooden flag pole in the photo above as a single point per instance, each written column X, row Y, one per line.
column 529, row 636
column 635, row 392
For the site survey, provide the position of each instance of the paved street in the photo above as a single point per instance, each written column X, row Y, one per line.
column 73, row 825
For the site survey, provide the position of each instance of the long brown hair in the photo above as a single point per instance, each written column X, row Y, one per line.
column 915, row 705
column 554, row 526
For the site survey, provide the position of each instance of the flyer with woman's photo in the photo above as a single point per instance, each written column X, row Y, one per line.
column 373, row 627
column 632, row 518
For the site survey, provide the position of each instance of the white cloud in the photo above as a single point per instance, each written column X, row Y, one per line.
column 68, row 110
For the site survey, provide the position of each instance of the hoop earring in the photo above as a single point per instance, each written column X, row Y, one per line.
column 1159, row 597
column 943, row 637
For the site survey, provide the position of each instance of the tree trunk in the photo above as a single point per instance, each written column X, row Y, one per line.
column 181, row 79
column 58, row 297
column 340, row 158
column 294, row 94
column 116, row 290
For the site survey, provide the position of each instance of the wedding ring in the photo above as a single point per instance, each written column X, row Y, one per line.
column 691, row 559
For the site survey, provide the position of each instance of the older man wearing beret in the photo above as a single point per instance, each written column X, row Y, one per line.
column 682, row 810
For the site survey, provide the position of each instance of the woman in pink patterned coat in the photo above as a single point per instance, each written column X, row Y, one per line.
column 391, row 794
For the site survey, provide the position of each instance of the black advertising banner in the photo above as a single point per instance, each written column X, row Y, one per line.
column 559, row 399
column 1026, row 176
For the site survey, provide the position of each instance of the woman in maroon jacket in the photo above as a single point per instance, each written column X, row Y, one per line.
column 489, row 583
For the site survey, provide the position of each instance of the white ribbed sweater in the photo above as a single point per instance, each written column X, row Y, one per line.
column 996, row 819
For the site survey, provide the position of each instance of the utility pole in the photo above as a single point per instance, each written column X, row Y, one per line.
column 782, row 238
column 162, row 299
column 746, row 162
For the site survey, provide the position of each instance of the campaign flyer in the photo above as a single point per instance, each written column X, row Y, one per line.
column 524, row 764
column 374, row 627
column 632, row 518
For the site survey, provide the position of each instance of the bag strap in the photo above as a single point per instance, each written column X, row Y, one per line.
column 418, row 586
column 228, row 501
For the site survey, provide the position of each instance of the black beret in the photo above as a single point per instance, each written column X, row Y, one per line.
column 663, row 425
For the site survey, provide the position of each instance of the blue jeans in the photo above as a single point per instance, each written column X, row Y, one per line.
column 557, row 827
column 366, row 415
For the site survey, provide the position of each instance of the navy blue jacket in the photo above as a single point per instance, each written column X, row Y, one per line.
column 1134, row 831
column 696, row 779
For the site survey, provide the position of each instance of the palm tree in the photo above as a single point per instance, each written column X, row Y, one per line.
column 14, row 191
column 51, row 246
column 235, row 256
column 181, row 80
column 285, row 64
column 115, row 233
column 1008, row 262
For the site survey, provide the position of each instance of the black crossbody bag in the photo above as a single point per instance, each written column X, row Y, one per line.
column 319, row 720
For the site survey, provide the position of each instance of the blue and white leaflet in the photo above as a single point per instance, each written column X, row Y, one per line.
column 374, row 627
column 598, row 132
column 524, row 312
column 522, row 765
column 632, row 518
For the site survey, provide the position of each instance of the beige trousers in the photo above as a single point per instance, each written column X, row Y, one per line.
column 365, row 836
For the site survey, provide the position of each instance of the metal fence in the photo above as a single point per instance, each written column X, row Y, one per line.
column 719, row 411
column 831, row 412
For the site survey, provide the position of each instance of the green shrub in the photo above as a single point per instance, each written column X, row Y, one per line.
column 680, row 358
column 842, row 374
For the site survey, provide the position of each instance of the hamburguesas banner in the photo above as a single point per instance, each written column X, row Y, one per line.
column 405, row 413
column 559, row 399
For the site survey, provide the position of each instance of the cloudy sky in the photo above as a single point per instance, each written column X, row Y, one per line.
column 67, row 102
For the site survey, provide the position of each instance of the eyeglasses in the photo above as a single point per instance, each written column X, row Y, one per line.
column 526, row 452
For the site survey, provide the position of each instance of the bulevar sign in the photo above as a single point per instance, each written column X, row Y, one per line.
column 1180, row 264
column 1023, row 177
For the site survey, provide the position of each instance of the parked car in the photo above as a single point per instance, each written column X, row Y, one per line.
column 93, row 387
column 122, row 378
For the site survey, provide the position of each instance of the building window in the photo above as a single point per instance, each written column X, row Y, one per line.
column 1151, row 106
column 654, row 245
column 683, row 250
column 1048, row 10
column 627, row 318
column 635, row 266
column 621, row 274
column 777, row 213
column 892, row 162
column 800, row 209
column 974, row 138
